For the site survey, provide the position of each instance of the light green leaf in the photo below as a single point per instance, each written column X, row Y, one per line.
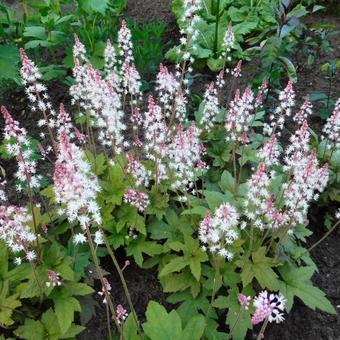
column 175, row 265
column 64, row 308
column 161, row 324
column 194, row 329
column 297, row 283
column 31, row 330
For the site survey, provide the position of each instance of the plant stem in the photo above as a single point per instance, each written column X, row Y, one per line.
column 263, row 328
column 322, row 238
column 100, row 275
column 37, row 280
column 217, row 27
column 235, row 323
column 122, row 279
column 234, row 167
column 108, row 322
column 217, row 274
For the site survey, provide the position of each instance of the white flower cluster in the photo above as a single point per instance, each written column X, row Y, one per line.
column 211, row 107
column 138, row 199
column 270, row 152
column 257, row 196
column 167, row 87
column 99, row 98
column 239, row 116
column 21, row 149
column 229, row 39
column 307, row 179
column 155, row 134
column 131, row 82
column 185, row 153
column 332, row 127
column 220, row 231
column 277, row 119
column 36, row 92
column 75, row 186
column 304, row 112
column 138, row 171
column 15, row 232
column 298, row 147
column 269, row 306
column 190, row 32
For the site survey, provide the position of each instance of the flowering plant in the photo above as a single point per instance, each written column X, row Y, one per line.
column 216, row 204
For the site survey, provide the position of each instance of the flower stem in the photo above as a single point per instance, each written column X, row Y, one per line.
column 122, row 279
column 263, row 328
column 235, row 323
column 212, row 300
column 100, row 275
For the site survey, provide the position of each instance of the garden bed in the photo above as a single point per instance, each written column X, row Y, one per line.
column 301, row 322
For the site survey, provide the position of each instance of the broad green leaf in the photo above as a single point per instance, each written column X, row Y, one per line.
column 260, row 268
column 194, row 329
column 160, row 324
column 31, row 330
column 297, row 282
column 8, row 304
column 237, row 317
column 140, row 246
column 130, row 328
column 9, row 63
column 64, row 308
column 51, row 325
column 227, row 183
column 78, row 288
column 175, row 265
column 215, row 198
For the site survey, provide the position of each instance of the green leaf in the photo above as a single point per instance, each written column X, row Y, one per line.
column 78, row 288
column 31, row 330
column 64, row 308
column 9, row 63
column 215, row 64
column 215, row 198
column 37, row 32
column 177, row 282
column 94, row 5
column 290, row 68
column 7, row 307
column 227, row 183
column 140, row 246
column 72, row 332
column 50, row 322
column 237, row 317
column 175, row 265
column 3, row 260
column 259, row 268
column 194, row 329
column 297, row 282
column 130, row 328
column 195, row 267
column 161, row 324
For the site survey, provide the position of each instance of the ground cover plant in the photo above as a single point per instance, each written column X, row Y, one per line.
column 46, row 29
column 215, row 200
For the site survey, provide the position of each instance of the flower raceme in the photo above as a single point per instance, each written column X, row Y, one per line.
column 269, row 306
column 211, row 107
column 15, row 232
column 75, row 186
column 219, row 231
column 332, row 127
column 185, row 153
column 21, row 149
column 138, row 199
